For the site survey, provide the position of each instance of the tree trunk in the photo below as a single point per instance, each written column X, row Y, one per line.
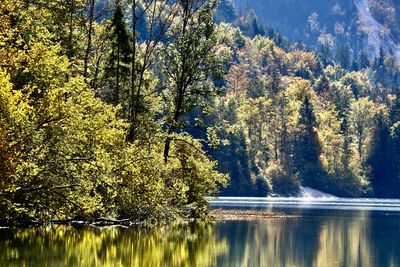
column 89, row 41
column 71, row 29
column 93, row 82
column 360, row 145
column 132, row 104
column 116, row 93
column 173, row 126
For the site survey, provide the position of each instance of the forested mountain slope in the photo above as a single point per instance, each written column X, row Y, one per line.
column 362, row 26
column 320, row 138
column 290, row 119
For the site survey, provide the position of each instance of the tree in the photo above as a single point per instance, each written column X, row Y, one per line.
column 395, row 134
column 8, row 154
column 65, row 143
column 322, row 85
column 225, row 12
column 91, row 18
column 198, row 174
column 341, row 96
column 159, row 14
column 343, row 56
column 363, row 61
column 119, row 57
column 394, row 115
column 308, row 147
column 256, row 114
column 361, row 120
column 254, row 27
column 64, row 153
column 358, row 82
column 190, row 60
column 237, row 81
column 236, row 162
column 331, row 137
column 381, row 159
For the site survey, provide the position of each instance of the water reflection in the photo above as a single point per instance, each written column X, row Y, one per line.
column 323, row 239
column 190, row 245
column 357, row 238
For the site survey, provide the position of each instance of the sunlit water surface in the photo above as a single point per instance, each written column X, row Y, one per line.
column 324, row 232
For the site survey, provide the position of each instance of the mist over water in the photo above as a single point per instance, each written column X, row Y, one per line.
column 330, row 203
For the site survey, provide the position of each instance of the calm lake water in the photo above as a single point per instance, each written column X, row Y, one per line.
column 330, row 232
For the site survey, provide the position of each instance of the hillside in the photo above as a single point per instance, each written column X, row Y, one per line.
column 365, row 26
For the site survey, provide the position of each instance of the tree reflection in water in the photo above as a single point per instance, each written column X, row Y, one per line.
column 328, row 239
column 184, row 245
column 332, row 238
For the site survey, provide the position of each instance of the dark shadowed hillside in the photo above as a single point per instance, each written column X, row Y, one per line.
column 361, row 26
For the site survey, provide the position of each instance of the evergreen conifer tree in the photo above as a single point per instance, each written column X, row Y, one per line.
column 308, row 147
column 119, row 58
column 381, row 160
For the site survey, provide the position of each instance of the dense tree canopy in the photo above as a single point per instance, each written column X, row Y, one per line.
column 65, row 121
column 142, row 109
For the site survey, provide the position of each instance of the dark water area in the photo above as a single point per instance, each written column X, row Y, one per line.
column 327, row 235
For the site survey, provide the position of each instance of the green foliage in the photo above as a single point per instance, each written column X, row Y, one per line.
column 169, row 191
column 294, row 133
column 283, row 182
column 67, row 143
column 225, row 12
column 138, row 136
column 191, row 61
column 395, row 134
column 64, row 153
column 117, row 69
column 361, row 121
column 308, row 147
column 359, row 83
column 381, row 159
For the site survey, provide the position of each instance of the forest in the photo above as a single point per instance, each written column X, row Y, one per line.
column 142, row 109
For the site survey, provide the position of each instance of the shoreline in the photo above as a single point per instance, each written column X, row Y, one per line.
column 101, row 222
column 215, row 215
column 246, row 215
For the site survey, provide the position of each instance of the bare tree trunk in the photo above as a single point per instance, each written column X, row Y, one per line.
column 173, row 125
column 132, row 103
column 116, row 92
column 71, row 29
column 181, row 87
column 93, row 82
column 89, row 41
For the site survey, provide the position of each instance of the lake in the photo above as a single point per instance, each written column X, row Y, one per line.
column 322, row 232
